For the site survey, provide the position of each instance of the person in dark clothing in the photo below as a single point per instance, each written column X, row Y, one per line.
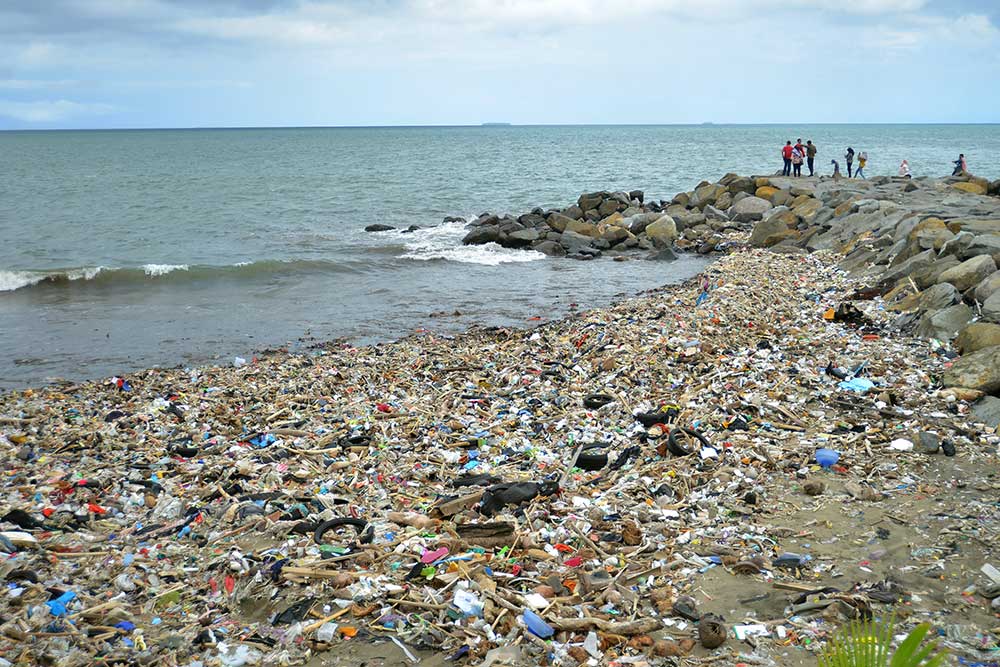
column 786, row 154
column 849, row 158
column 811, row 156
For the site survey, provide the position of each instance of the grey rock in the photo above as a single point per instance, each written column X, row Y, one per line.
column 741, row 185
column 977, row 336
column 591, row 200
column 531, row 219
column 558, row 221
column 663, row 232
column 927, row 442
column 924, row 259
column 637, row 195
column 958, row 245
column 614, row 234
column 969, row 273
column 991, row 308
column 379, row 228
column 979, row 370
column 985, row 244
column 987, row 287
column 713, row 213
column 637, row 223
column 667, row 254
column 987, row 410
column 550, row 248
column 765, row 229
column 707, row 194
column 938, row 297
column 573, row 241
column 521, row 238
column 926, row 276
column 481, row 235
column 573, row 212
column 944, row 324
column 609, row 206
column 749, row 209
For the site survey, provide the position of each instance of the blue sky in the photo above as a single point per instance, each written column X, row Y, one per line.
column 198, row 63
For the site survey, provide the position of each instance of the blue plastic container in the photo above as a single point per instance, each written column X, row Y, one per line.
column 536, row 625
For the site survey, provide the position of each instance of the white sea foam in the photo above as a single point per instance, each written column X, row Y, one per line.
column 154, row 270
column 445, row 242
column 13, row 280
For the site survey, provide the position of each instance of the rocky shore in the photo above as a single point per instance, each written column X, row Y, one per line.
column 620, row 223
column 720, row 472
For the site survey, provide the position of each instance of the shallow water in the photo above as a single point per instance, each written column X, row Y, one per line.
column 137, row 248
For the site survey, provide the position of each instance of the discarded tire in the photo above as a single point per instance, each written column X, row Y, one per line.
column 366, row 531
column 596, row 401
column 592, row 457
column 684, row 441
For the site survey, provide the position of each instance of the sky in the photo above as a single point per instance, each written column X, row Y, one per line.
column 240, row 63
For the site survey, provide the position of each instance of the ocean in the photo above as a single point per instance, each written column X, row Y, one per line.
column 129, row 249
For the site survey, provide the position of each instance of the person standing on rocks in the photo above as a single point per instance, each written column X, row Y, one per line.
column 836, row 170
column 849, row 159
column 904, row 169
column 786, row 153
column 862, row 161
column 797, row 156
column 811, row 156
column 960, row 166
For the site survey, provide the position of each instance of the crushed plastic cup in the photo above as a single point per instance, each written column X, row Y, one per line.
column 827, row 457
column 327, row 632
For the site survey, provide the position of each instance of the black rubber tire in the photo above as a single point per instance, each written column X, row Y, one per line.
column 366, row 531
column 597, row 401
column 678, row 448
column 592, row 460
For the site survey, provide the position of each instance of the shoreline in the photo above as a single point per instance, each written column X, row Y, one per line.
column 221, row 466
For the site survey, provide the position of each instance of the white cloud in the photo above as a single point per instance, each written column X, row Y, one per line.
column 51, row 111
column 290, row 30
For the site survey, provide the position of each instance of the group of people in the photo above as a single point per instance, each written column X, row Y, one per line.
column 795, row 155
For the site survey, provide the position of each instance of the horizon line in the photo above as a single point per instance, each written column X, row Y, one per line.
column 484, row 125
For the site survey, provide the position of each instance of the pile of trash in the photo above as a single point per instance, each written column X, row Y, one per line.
column 723, row 471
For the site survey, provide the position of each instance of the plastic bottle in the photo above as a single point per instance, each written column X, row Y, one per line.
column 536, row 625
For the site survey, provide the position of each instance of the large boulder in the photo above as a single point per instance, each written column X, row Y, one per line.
column 707, row 194
column 975, row 225
column 971, row 188
column 969, row 273
column 938, row 297
column 926, row 276
column 905, row 268
column 520, row 238
column 808, row 210
column 713, row 213
column 979, row 370
column 379, row 228
column 976, row 336
column 958, row 245
column 613, row 234
column 766, row 192
column 591, row 200
column 724, row 201
column 637, row 223
column 742, row 184
column 987, row 411
column 550, row 248
column 663, row 232
column 573, row 211
column 573, row 242
column 985, row 244
column 481, row 235
column 609, row 206
column 944, row 324
column 558, row 221
column 580, row 227
column 749, row 209
column 765, row 229
column 991, row 308
column 987, row 287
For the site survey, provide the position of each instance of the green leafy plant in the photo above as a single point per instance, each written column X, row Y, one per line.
column 868, row 644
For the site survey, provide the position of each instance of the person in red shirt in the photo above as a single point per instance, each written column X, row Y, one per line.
column 786, row 153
